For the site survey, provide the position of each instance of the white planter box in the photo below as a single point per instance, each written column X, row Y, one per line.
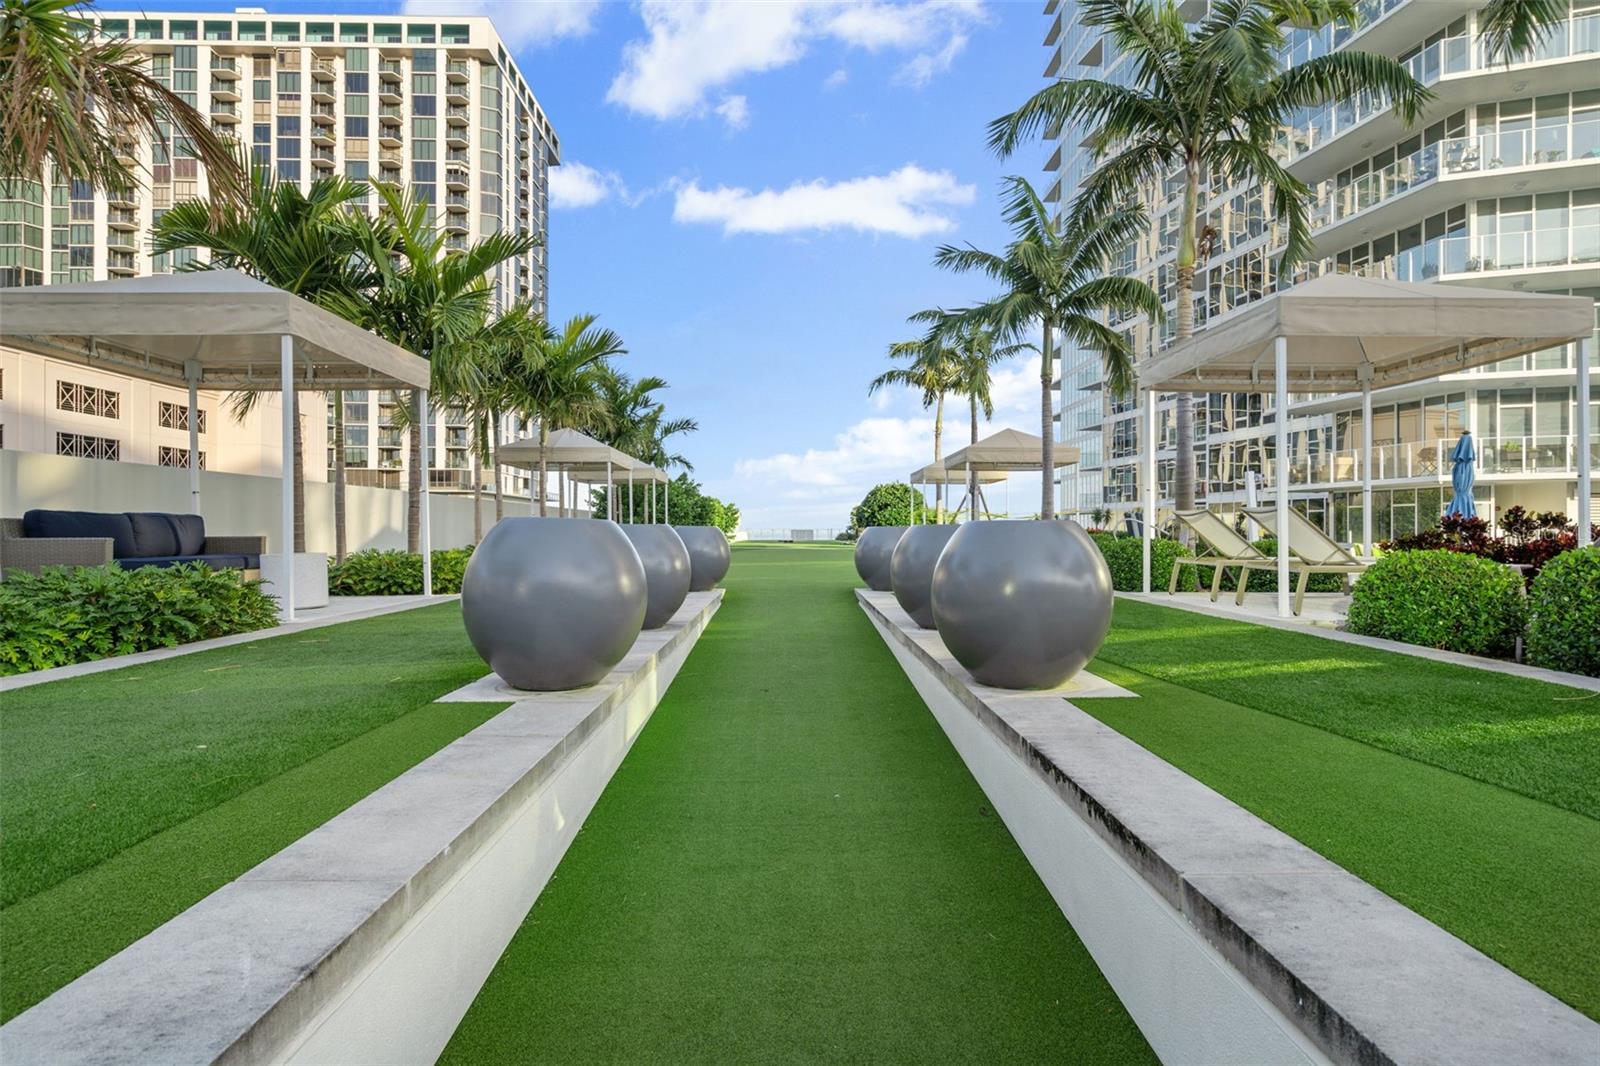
column 310, row 578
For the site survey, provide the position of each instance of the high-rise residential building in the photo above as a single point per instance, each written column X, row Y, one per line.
column 435, row 106
column 1497, row 184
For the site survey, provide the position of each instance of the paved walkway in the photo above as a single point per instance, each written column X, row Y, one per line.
column 794, row 865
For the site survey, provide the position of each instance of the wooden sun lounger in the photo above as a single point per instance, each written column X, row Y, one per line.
column 1312, row 552
column 1223, row 545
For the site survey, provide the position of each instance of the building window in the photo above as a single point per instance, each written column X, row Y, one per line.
column 83, row 446
column 166, row 455
column 88, row 400
column 176, row 416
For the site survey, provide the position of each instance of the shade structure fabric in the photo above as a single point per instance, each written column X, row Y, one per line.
column 1008, row 450
column 939, row 474
column 220, row 329
column 1346, row 331
column 570, row 450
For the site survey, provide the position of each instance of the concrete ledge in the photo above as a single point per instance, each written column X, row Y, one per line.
column 367, row 939
column 1227, row 940
column 336, row 612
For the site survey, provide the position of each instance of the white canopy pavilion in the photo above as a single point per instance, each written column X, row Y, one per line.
column 215, row 329
column 939, row 474
column 1342, row 333
column 1008, row 451
column 580, row 458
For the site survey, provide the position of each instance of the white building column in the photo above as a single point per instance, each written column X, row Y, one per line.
column 1366, row 467
column 285, row 582
column 423, row 524
column 1147, row 484
column 630, row 495
column 611, row 495
column 1585, row 435
column 191, row 371
column 1280, row 461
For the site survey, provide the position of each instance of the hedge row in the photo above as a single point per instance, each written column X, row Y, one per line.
column 396, row 573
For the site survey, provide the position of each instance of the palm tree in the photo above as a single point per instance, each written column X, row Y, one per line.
column 1511, row 28
column 67, row 99
column 930, row 370
column 1206, row 101
column 559, row 379
column 975, row 351
column 429, row 298
column 296, row 241
column 485, row 396
column 1053, row 278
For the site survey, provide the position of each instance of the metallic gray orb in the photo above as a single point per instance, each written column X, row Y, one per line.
column 1022, row 604
column 708, row 556
column 911, row 569
column 553, row 603
column 666, row 570
column 874, row 549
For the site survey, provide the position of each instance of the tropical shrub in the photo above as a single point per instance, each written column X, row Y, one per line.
column 65, row 616
column 396, row 573
column 1440, row 599
column 1564, row 613
column 1125, row 559
column 889, row 504
column 1528, row 539
column 690, row 506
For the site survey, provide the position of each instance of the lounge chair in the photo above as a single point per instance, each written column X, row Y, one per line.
column 1223, row 547
column 1311, row 552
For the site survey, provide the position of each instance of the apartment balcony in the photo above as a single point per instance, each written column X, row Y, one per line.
column 1547, row 259
column 458, row 72
column 128, row 197
column 224, row 67
column 1457, row 169
column 322, row 158
column 1542, row 455
column 223, row 89
column 122, row 240
column 323, row 135
column 324, row 69
column 389, row 70
column 323, row 115
column 457, row 137
column 458, row 93
column 454, row 223
column 455, row 244
column 1461, row 74
column 457, row 178
column 122, row 264
column 458, row 201
column 458, row 155
column 122, row 218
column 224, row 111
column 127, row 152
column 390, row 159
column 458, row 116
column 390, row 136
column 389, row 93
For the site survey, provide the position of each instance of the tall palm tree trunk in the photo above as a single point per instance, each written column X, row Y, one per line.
column 477, row 486
column 1183, row 474
column 972, row 476
column 339, row 544
column 419, row 433
column 938, row 457
column 544, row 442
column 1047, row 456
column 499, row 491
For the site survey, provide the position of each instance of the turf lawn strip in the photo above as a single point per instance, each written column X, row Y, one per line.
column 1532, row 737
column 793, row 865
column 128, row 796
column 1512, row 876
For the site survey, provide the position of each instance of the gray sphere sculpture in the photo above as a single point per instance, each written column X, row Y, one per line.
column 874, row 549
column 553, row 603
column 666, row 570
column 708, row 556
column 1022, row 604
column 911, row 569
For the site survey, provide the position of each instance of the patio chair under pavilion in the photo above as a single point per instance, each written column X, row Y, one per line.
column 577, row 455
column 1342, row 333
column 939, row 474
column 223, row 330
column 1006, row 452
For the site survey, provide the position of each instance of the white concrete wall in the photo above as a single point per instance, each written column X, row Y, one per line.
column 232, row 503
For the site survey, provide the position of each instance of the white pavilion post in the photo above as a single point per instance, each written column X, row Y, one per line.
column 666, row 502
column 191, row 370
column 1366, row 465
column 1585, row 434
column 630, row 495
column 425, row 533
column 286, row 530
column 1148, row 461
column 1280, row 461
column 611, row 495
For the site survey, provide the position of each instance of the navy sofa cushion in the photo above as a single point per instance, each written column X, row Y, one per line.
column 216, row 562
column 78, row 524
column 191, row 530
column 153, row 535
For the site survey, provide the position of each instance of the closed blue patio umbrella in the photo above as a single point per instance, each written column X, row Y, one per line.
column 1465, row 458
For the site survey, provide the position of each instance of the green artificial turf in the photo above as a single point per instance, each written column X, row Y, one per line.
column 1345, row 749
column 793, row 865
column 127, row 796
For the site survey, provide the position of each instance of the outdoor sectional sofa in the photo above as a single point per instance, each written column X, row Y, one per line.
column 132, row 540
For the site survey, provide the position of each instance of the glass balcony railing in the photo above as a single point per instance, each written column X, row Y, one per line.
column 1429, row 460
column 1457, row 155
column 1475, row 254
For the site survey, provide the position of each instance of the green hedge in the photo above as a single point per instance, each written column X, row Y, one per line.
column 1440, row 599
column 1125, row 558
column 1564, row 613
column 396, row 573
column 65, row 616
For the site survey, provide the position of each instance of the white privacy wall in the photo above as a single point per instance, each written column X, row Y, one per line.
column 232, row 504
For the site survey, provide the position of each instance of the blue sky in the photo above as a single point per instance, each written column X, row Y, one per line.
column 751, row 197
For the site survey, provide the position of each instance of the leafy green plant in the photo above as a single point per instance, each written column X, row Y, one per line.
column 64, row 616
column 1440, row 599
column 396, row 573
column 1125, row 557
column 1267, row 580
column 1564, row 613
column 890, row 504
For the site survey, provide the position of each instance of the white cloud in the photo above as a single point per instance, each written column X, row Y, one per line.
column 922, row 69
column 735, row 111
column 521, row 23
column 882, row 448
column 903, row 203
column 696, row 46
column 574, row 184
column 836, row 79
column 1014, row 388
